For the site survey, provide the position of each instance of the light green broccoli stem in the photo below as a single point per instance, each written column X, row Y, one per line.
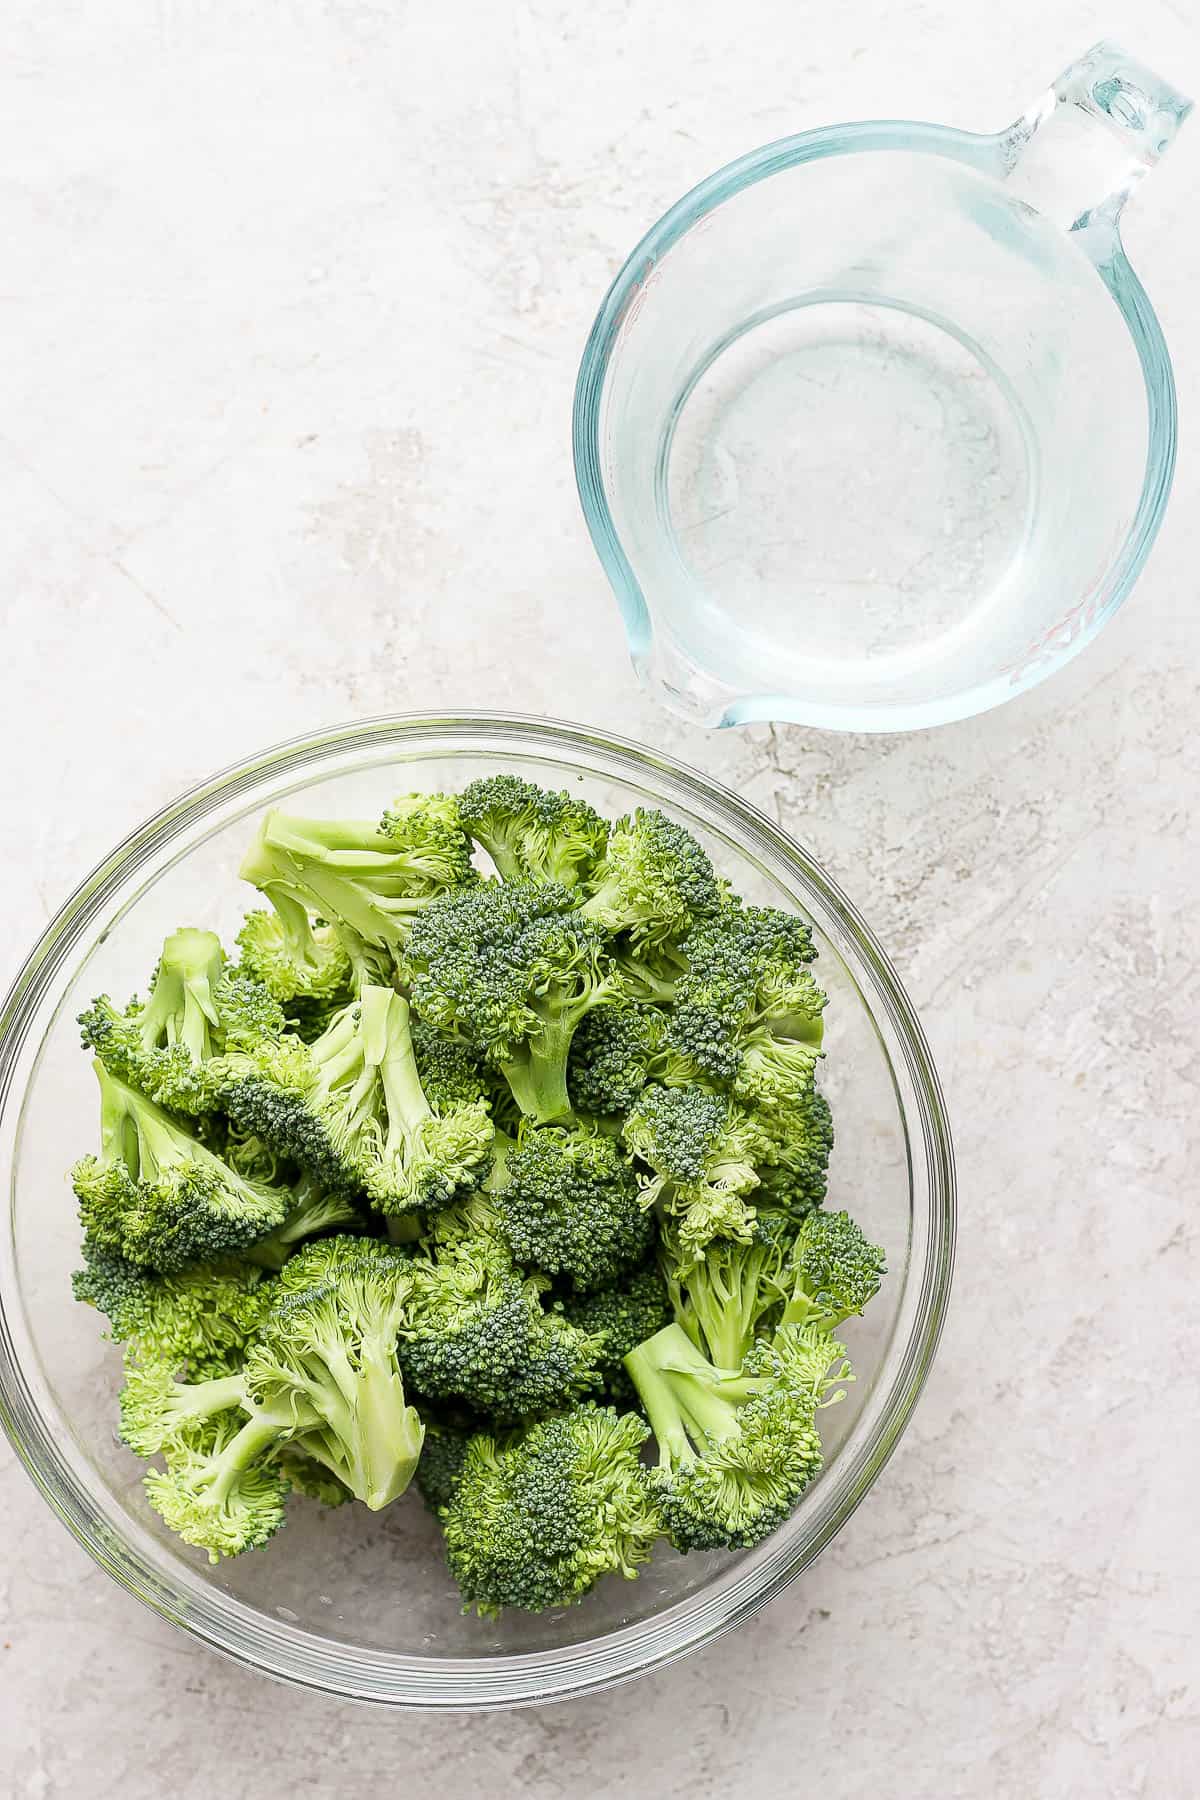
column 181, row 1008
column 537, row 1075
column 253, row 1440
column 684, row 1396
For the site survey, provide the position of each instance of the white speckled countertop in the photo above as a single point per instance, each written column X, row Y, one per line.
column 292, row 301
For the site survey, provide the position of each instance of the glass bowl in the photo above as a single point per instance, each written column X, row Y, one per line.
column 361, row 1604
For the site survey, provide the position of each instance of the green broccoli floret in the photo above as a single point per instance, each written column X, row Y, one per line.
column 452, row 1072
column 157, row 1411
column 569, row 1205
column 535, row 1521
column 298, row 961
column 699, row 1148
column 733, row 1292
column 655, row 882
column 610, row 1060
column 748, row 1010
column 196, row 1007
column 220, row 1490
column 329, row 1353
column 200, row 1319
column 476, row 1332
column 428, row 834
column 323, row 1259
column 368, row 882
column 441, row 1464
column 622, row 1317
column 513, row 970
column 419, row 1157
column 834, row 1272
column 808, row 1358
column 532, row 835
column 157, row 1196
column 311, row 1211
column 735, row 1452
column 792, row 1146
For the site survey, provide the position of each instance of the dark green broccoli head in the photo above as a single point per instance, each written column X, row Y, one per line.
column 622, row 1317
column 570, row 1206
column 476, row 1333
column 655, row 882
column 158, row 1197
column 792, row 1147
column 199, row 1320
column 748, row 984
column 452, row 1072
column 441, row 1464
column 699, row 1149
column 835, row 1271
column 533, row 835
column 534, row 1521
column 512, row 969
column 611, row 1055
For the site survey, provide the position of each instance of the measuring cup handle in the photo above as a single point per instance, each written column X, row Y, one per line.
column 1084, row 145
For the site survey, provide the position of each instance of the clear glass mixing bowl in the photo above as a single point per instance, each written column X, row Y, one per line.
column 359, row 1604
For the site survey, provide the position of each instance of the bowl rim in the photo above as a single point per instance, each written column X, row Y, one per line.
column 506, row 1680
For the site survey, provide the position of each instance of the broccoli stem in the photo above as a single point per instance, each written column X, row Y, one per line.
column 195, row 1401
column 685, row 1397
column 181, row 1008
column 538, row 1074
column 389, row 1435
column 244, row 1448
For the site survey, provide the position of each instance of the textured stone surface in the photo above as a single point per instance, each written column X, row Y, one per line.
column 293, row 298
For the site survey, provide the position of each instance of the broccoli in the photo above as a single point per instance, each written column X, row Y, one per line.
column 199, row 1319
column 418, row 1157
column 532, row 835
column 323, row 1259
column 699, row 1148
column 534, row 1521
column 368, row 881
column 220, row 1490
column 305, row 1475
column 451, row 1072
column 476, row 1332
column 298, row 961
column 157, row 1196
column 311, row 1210
column 327, row 1356
column 655, row 882
column 196, row 1006
column 792, row 1146
column 834, row 1272
column 569, row 1205
column 351, row 1110
column 808, row 1358
column 622, row 1317
column 610, row 1059
column 441, row 1464
column 157, row 1411
column 748, row 1009
column 735, row 1452
column 513, row 970
column 723, row 1300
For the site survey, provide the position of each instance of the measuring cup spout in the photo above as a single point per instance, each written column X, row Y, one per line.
column 1080, row 150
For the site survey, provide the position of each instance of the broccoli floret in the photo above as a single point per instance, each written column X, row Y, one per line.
column 808, row 1358
column 834, row 1272
column 476, row 1333
column 535, row 1521
column 157, row 1196
column 418, row 1157
column 330, row 1352
column 610, row 1060
column 622, row 1317
column 157, row 1411
column 311, row 1210
column 196, row 1007
column 569, row 1205
column 441, row 1464
column 513, row 970
column 735, row 1452
column 748, row 1010
column 699, row 1148
column 322, row 1260
column 200, row 1319
column 655, row 881
column 220, row 1491
column 532, row 835
column 452, row 1072
column 428, row 835
column 368, row 882
column 296, row 960
column 792, row 1147
column 733, row 1291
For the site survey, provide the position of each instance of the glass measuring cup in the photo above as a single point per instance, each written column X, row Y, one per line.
column 876, row 426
